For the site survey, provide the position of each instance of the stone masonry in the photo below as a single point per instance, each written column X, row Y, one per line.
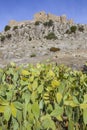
column 43, row 17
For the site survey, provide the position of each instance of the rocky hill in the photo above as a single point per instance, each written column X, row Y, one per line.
column 45, row 37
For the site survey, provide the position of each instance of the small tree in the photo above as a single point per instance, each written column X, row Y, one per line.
column 7, row 27
column 73, row 29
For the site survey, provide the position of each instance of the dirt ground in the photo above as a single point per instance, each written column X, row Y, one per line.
column 74, row 59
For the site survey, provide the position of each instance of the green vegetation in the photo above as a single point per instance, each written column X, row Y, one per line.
column 8, row 36
column 48, row 24
column 7, row 27
column 68, row 31
column 44, row 97
column 54, row 49
column 37, row 23
column 2, row 38
column 81, row 28
column 51, row 36
column 71, row 30
column 21, row 26
column 15, row 27
column 33, row 55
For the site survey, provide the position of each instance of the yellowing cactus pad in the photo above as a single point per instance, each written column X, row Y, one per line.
column 25, row 72
column 55, row 83
column 58, row 97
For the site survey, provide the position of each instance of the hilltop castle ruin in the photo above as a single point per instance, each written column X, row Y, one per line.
column 43, row 17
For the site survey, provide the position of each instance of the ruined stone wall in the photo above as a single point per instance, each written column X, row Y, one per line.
column 63, row 19
column 53, row 17
column 40, row 16
column 13, row 23
column 70, row 21
column 43, row 17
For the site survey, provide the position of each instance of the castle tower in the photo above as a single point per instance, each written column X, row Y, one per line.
column 41, row 16
column 63, row 19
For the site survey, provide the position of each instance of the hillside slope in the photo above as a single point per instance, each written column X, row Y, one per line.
column 33, row 41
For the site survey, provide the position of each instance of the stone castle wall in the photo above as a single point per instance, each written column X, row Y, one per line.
column 13, row 22
column 43, row 17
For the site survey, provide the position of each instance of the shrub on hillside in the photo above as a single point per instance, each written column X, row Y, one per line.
column 15, row 27
column 21, row 26
column 7, row 27
column 49, row 23
column 51, row 36
column 73, row 29
column 54, row 49
column 81, row 28
column 8, row 36
column 2, row 38
column 33, row 55
column 68, row 31
column 37, row 23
